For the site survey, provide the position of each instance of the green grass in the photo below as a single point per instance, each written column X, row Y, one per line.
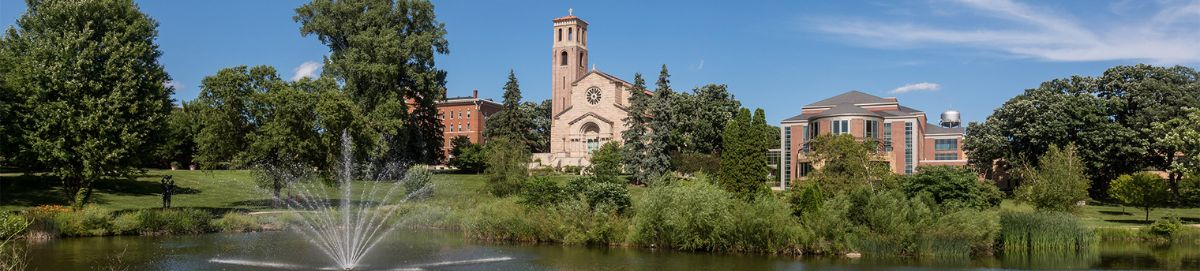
column 1116, row 216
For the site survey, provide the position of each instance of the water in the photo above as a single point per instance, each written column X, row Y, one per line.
column 438, row 250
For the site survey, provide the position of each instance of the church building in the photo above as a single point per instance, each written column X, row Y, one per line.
column 588, row 107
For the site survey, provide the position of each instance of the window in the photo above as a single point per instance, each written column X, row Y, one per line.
column 593, row 144
column 787, row 152
column 468, row 126
column 841, row 127
column 815, row 130
column 871, row 129
column 451, row 128
column 908, row 143
column 460, row 114
column 562, row 59
column 460, row 127
column 945, row 156
column 804, row 169
column 468, row 113
column 560, row 34
column 887, row 136
column 946, row 144
column 570, row 33
column 581, row 60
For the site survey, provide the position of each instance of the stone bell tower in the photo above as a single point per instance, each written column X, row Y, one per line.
column 570, row 58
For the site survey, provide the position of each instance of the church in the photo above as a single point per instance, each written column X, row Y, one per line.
column 588, row 106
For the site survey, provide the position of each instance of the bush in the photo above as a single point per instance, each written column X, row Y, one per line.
column 828, row 228
column 42, row 222
column 466, row 156
column 11, row 226
column 541, row 191
column 507, row 166
column 1058, row 183
column 165, row 221
column 953, row 187
column 606, row 163
column 806, row 197
column 891, row 223
column 88, row 221
column 964, row 233
column 698, row 215
column 1165, row 227
column 505, row 220
column 418, row 182
column 600, row 193
column 236, row 222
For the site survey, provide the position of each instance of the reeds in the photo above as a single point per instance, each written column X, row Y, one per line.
column 1040, row 232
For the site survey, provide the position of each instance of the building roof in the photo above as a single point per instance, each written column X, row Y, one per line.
column 846, row 110
column 851, row 97
column 931, row 128
column 467, row 99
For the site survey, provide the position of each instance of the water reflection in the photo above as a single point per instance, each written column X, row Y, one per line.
column 434, row 250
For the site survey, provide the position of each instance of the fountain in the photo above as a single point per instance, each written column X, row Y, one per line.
column 347, row 228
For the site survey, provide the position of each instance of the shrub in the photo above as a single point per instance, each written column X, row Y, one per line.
column 964, row 233
column 1189, row 190
column 88, row 221
column 953, row 187
column 504, row 220
column 581, row 223
column 173, row 221
column 42, row 220
column 11, row 226
column 466, row 156
column 600, row 193
column 1057, row 183
column 507, row 166
column 1043, row 232
column 892, row 223
column 127, row 222
column 1165, row 227
column 236, row 222
column 606, row 163
column 806, row 197
column 541, row 191
column 828, row 228
column 683, row 215
column 418, row 182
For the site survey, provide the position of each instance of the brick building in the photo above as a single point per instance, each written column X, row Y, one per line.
column 465, row 116
column 907, row 140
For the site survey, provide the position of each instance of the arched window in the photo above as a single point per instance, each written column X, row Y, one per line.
column 570, row 33
column 563, row 58
column 560, row 34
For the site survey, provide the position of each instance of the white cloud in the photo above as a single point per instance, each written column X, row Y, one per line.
column 925, row 86
column 1169, row 36
column 701, row 66
column 173, row 84
column 307, row 69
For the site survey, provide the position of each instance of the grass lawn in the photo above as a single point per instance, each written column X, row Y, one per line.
column 1099, row 215
column 210, row 189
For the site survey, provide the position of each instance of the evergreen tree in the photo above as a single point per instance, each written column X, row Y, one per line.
column 743, row 163
column 511, row 122
column 383, row 52
column 640, row 153
column 95, row 103
column 663, row 122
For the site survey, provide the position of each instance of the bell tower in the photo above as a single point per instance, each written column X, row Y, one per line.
column 570, row 58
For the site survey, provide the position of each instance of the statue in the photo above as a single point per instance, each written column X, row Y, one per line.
column 168, row 187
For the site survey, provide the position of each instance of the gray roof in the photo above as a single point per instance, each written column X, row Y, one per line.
column 931, row 128
column 850, row 97
column 846, row 109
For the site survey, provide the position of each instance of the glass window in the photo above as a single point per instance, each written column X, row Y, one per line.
column 815, row 130
column 871, row 129
column 787, row 152
column 841, row 127
column 946, row 156
column 946, row 144
column 468, row 125
column 908, row 153
column 593, row 144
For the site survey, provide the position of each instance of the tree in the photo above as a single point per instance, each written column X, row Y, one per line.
column 466, row 156
column 846, row 164
column 539, row 115
column 336, row 113
column 511, row 121
column 606, row 163
column 1182, row 134
column 287, row 131
column 1143, row 190
column 952, row 186
column 227, row 101
column 382, row 53
column 1140, row 96
column 744, row 162
column 710, row 107
column 180, row 145
column 507, row 165
column 1058, row 182
column 643, row 156
column 663, row 111
column 95, row 93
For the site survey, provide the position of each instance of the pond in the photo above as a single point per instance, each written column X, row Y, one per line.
column 438, row 250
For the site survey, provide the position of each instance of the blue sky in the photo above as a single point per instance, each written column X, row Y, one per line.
column 971, row 55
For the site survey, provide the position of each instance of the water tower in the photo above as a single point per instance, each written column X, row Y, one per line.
column 951, row 119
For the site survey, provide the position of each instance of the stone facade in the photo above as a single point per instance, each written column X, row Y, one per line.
column 588, row 107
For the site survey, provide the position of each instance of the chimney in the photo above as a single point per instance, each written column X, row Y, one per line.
column 475, row 93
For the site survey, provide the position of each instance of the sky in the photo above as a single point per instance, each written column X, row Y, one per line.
column 933, row 55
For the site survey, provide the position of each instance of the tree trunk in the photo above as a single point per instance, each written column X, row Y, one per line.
column 1173, row 178
column 1147, row 214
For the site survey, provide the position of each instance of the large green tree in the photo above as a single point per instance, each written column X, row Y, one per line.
column 512, row 121
column 606, row 163
column 180, row 145
column 539, row 115
column 1183, row 135
column 383, row 52
column 645, row 158
column 952, row 186
column 227, row 100
column 744, row 161
column 88, row 72
column 707, row 110
column 1140, row 96
column 665, row 117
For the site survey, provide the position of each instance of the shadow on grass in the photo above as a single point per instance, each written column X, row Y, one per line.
column 1130, row 221
column 34, row 190
column 270, row 204
column 1115, row 213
